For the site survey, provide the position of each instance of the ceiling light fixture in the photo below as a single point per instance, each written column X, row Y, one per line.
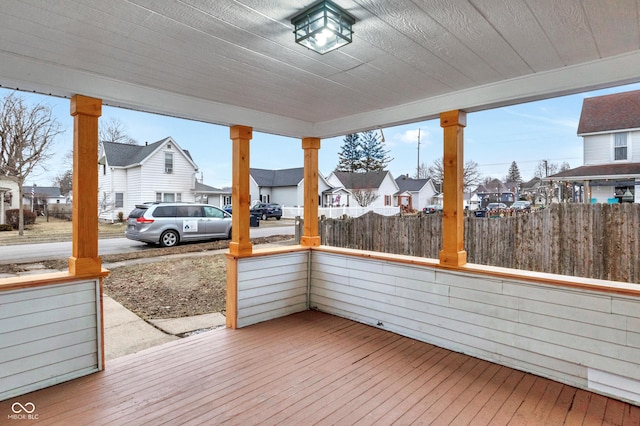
column 323, row 27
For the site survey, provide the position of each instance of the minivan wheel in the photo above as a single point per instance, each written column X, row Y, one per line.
column 277, row 217
column 169, row 238
column 264, row 216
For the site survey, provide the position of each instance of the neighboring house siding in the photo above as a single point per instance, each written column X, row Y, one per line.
column 139, row 173
column 286, row 196
column 599, row 149
column 387, row 188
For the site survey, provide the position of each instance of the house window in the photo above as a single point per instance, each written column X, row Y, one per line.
column 227, row 199
column 620, row 146
column 387, row 200
column 168, row 197
column 168, row 162
column 119, row 199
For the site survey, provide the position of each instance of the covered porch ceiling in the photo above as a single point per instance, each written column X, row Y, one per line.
column 235, row 62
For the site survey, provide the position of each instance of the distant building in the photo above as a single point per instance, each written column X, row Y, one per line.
column 610, row 130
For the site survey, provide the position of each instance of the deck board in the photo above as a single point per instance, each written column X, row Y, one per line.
column 314, row 368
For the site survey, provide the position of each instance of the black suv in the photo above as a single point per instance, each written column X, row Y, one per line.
column 266, row 210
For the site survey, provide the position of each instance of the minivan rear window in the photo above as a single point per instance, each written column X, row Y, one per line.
column 137, row 212
column 165, row 211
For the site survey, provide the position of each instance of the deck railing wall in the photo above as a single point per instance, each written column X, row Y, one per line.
column 586, row 338
column 49, row 334
column 272, row 286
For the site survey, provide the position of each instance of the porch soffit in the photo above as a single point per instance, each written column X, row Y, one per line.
column 236, row 63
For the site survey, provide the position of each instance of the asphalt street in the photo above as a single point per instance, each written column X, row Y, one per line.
column 61, row 250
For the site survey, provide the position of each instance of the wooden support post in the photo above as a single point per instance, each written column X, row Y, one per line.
column 240, row 244
column 453, row 253
column 84, row 247
column 310, row 237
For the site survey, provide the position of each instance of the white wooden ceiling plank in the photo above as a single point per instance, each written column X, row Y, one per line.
column 615, row 25
column 414, row 26
column 477, row 34
column 385, row 72
column 237, row 26
column 566, row 25
column 518, row 26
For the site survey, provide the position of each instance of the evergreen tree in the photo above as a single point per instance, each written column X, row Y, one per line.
column 513, row 175
column 349, row 157
column 374, row 157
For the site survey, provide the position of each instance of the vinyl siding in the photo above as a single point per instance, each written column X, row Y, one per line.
column 565, row 334
column 155, row 179
column 271, row 286
column 48, row 335
column 597, row 149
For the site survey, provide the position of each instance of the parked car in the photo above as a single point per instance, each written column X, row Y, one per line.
column 432, row 208
column 169, row 224
column 227, row 208
column 521, row 205
column 266, row 210
column 496, row 206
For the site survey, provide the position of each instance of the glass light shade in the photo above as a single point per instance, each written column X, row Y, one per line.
column 323, row 27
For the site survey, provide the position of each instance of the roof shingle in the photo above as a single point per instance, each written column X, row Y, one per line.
column 619, row 111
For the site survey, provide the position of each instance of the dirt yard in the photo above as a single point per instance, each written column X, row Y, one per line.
column 175, row 288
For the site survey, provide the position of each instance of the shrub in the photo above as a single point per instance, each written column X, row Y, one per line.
column 5, row 227
column 120, row 217
column 13, row 217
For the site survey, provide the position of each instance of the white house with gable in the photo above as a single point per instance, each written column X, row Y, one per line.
column 379, row 185
column 135, row 174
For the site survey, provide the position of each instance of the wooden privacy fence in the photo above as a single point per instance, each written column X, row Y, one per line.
column 584, row 240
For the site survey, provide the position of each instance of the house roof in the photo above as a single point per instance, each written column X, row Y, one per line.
column 601, row 171
column 619, row 111
column 42, row 191
column 277, row 178
column 366, row 180
column 240, row 64
column 202, row 188
column 406, row 183
column 123, row 154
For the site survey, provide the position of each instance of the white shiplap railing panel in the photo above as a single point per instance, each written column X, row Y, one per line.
column 553, row 331
column 272, row 286
column 48, row 334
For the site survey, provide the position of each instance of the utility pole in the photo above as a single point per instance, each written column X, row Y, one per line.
column 418, row 168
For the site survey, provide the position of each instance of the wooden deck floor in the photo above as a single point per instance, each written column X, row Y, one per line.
column 314, row 368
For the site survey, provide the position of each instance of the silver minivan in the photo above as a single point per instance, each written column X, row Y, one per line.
column 168, row 224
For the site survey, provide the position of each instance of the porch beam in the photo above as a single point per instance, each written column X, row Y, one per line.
column 240, row 244
column 84, row 258
column 310, row 237
column 453, row 253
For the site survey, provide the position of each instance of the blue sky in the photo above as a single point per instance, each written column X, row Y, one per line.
column 526, row 134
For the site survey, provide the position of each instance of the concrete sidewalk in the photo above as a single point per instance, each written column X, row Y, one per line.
column 126, row 333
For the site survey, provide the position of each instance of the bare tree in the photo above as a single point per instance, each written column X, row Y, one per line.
column 422, row 172
column 112, row 130
column 470, row 173
column 545, row 168
column 26, row 135
column 364, row 197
